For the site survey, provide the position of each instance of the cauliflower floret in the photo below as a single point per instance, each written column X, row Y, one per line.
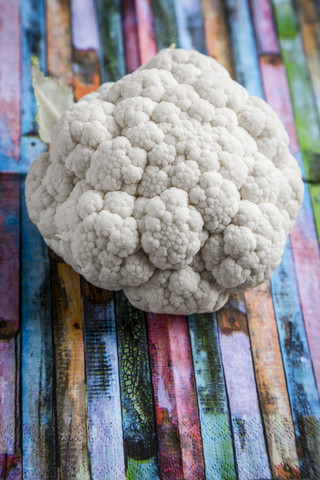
column 171, row 183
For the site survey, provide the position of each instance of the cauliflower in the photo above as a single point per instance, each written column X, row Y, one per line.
column 172, row 184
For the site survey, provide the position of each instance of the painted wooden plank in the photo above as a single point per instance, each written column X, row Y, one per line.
column 37, row 395
column 314, row 189
column 178, row 427
column 32, row 31
column 70, row 391
column 9, row 86
column 262, row 18
column 271, row 383
column 301, row 384
column 138, row 420
column 190, row 25
column 248, row 434
column 212, row 398
column 85, row 51
column 58, row 40
column 165, row 26
column 243, row 41
column 7, row 395
column 146, row 33
column 309, row 20
column 216, row 33
column 103, row 390
column 112, row 64
column 9, row 255
column 130, row 35
column 305, row 111
column 10, row 467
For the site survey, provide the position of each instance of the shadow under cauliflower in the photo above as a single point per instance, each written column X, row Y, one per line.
column 172, row 184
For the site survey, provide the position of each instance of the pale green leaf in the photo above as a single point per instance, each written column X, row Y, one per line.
column 52, row 99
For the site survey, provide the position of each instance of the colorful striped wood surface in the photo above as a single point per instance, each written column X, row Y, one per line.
column 92, row 388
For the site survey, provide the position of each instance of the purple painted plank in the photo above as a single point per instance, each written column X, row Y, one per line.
column 266, row 37
column 9, row 255
column 13, row 467
column 130, row 35
column 83, row 16
column 7, row 396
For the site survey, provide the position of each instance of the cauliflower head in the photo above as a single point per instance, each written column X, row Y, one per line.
column 172, row 184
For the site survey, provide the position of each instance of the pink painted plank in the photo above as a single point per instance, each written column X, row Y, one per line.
column 130, row 35
column 7, row 396
column 146, row 35
column 9, row 79
column 13, row 467
column 9, row 255
column 276, row 89
column 178, row 426
column 266, row 36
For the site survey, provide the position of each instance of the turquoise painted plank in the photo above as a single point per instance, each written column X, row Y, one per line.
column 243, row 46
column 37, row 395
column 190, row 25
column 32, row 20
column 112, row 64
column 212, row 398
column 138, row 419
column 103, row 391
column 305, row 110
column 165, row 25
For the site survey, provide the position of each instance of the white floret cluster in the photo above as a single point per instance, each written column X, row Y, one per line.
column 172, row 184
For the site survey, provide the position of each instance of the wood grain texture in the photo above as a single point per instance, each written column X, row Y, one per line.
column 165, row 26
column 190, row 25
column 138, row 420
column 10, row 86
column 145, row 27
column 32, row 34
column 85, row 47
column 305, row 110
column 262, row 17
column 71, row 400
column 37, row 395
column 249, row 442
column 112, row 64
column 296, row 357
column 10, row 467
column 271, row 383
column 309, row 21
column 130, row 35
column 212, row 398
column 216, row 33
column 103, row 390
column 178, row 427
column 9, row 255
column 7, row 395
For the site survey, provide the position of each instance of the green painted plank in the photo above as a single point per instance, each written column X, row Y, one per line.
column 165, row 23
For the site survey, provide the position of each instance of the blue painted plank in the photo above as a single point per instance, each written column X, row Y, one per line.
column 212, row 398
column 37, row 396
column 103, row 391
column 32, row 19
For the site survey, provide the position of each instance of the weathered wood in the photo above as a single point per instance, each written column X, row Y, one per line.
column 71, row 401
column 271, row 383
column 32, row 34
column 7, row 391
column 58, row 40
column 262, row 17
column 9, row 255
column 104, row 404
column 165, row 26
column 145, row 27
column 309, row 20
column 305, row 111
column 216, row 33
column 212, row 398
column 249, row 442
column 178, row 426
column 138, row 421
column 190, row 25
column 37, row 395
column 112, row 64
column 130, row 35
column 10, row 467
column 10, row 86
column 85, row 47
